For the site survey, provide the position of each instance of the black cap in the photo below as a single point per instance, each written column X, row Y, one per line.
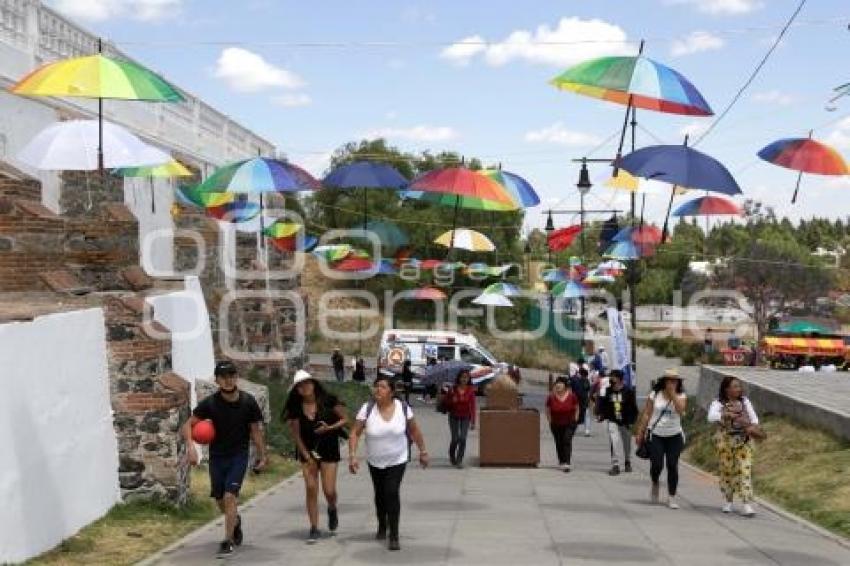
column 225, row 367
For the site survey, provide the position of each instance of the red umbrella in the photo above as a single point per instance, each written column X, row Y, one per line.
column 806, row 156
column 426, row 294
column 354, row 264
column 563, row 238
column 430, row 263
column 461, row 182
column 709, row 206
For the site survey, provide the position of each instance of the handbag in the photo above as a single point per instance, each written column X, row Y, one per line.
column 642, row 451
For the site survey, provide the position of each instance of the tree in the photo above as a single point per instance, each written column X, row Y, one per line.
column 772, row 272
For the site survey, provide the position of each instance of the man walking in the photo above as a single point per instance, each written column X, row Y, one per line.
column 619, row 409
column 237, row 420
column 338, row 362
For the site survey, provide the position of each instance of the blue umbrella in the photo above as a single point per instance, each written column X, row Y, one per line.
column 680, row 166
column 385, row 267
column 365, row 175
column 389, row 234
column 443, row 372
column 622, row 250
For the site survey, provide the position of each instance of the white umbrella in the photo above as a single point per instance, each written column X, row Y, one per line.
column 493, row 299
column 466, row 239
column 72, row 146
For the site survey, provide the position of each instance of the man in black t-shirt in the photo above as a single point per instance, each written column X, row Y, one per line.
column 237, row 420
column 619, row 410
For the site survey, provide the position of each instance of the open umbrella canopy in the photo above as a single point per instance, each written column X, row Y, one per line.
column 365, row 175
column 72, row 145
column 598, row 277
column 282, row 229
column 388, row 233
column 806, row 155
column 520, row 190
column 443, row 372
column 709, row 206
column 635, row 80
column 501, row 288
column 425, row 294
column 627, row 250
column 171, row 169
column 555, row 276
column 682, row 166
column 190, row 195
column 646, row 234
column 353, row 264
column 562, row 238
column 493, row 300
column 333, row 252
column 259, row 175
column 291, row 244
column 97, row 76
column 236, row 211
column 569, row 290
column 611, row 266
column 461, row 182
column 466, row 239
column 468, row 203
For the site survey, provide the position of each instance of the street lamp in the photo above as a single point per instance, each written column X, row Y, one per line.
column 584, row 185
column 550, row 227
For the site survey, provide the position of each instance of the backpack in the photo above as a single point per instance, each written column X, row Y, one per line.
column 370, row 405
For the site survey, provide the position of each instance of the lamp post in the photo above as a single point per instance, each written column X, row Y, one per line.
column 550, row 227
column 584, row 185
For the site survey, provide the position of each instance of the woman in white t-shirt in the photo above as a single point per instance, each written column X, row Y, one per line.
column 389, row 427
column 662, row 418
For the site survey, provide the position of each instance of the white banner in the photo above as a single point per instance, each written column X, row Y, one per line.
column 622, row 354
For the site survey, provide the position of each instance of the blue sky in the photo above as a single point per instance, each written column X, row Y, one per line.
column 311, row 76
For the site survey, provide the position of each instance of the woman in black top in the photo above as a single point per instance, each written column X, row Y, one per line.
column 317, row 420
column 359, row 374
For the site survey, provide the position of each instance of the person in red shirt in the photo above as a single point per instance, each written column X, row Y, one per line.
column 562, row 411
column 460, row 402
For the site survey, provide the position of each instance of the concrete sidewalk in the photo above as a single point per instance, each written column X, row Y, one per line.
column 520, row 516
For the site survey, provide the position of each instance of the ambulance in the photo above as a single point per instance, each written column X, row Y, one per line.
column 419, row 346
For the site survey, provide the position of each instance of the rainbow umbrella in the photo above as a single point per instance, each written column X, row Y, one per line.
column 291, row 244
column 235, row 212
column 646, row 235
column 627, row 250
column 506, row 289
column 708, row 206
column 520, row 190
column 190, row 195
column 166, row 170
column 97, row 76
column 597, row 277
column 282, row 229
column 465, row 239
column 555, row 276
column 569, row 290
column 470, row 203
column 806, row 156
column 333, row 252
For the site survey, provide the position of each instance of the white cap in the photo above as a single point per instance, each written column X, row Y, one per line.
column 300, row 376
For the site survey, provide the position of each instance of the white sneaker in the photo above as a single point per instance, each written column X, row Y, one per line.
column 727, row 507
column 673, row 503
column 587, row 433
column 747, row 510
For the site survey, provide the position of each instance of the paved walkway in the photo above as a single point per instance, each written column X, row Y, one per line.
column 521, row 516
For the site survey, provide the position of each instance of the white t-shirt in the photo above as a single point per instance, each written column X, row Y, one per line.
column 386, row 441
column 664, row 413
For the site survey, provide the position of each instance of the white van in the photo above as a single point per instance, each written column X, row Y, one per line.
column 419, row 346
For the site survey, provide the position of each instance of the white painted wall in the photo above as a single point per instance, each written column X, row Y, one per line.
column 59, row 469
column 156, row 227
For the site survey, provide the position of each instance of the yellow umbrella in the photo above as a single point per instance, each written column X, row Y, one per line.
column 166, row 170
column 466, row 239
column 625, row 181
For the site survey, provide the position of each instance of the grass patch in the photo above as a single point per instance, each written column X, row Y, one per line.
column 804, row 470
column 132, row 531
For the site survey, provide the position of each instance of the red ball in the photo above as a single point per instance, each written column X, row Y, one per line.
column 203, row 432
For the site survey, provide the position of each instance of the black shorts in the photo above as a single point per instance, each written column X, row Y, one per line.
column 227, row 474
column 327, row 449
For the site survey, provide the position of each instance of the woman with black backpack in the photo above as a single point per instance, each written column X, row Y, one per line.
column 388, row 425
column 317, row 420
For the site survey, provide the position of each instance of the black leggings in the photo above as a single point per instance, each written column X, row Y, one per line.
column 387, row 483
column 563, row 435
column 669, row 448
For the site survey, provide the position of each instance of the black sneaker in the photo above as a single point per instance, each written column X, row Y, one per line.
column 225, row 549
column 333, row 519
column 393, row 544
column 314, row 536
column 628, row 466
column 614, row 471
column 237, row 531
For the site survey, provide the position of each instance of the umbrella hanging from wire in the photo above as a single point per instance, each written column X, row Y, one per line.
column 493, row 300
column 804, row 155
column 168, row 170
column 501, row 288
column 236, row 212
column 563, row 238
column 682, row 166
column 365, row 175
column 465, row 239
column 189, row 195
column 97, row 76
column 709, row 206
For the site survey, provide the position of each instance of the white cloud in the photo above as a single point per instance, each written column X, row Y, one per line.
column 773, row 97
column 723, row 7
column 693, row 129
column 462, row 52
column 840, row 135
column 101, row 10
column 571, row 41
column 423, row 133
column 293, row 100
column 245, row 71
column 695, row 42
column 557, row 133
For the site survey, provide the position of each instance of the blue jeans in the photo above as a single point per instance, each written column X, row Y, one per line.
column 340, row 374
column 227, row 474
column 459, row 428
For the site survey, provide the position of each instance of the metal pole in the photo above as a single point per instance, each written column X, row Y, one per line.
column 633, row 270
column 583, row 319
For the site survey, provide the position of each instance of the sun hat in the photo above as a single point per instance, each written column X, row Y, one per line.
column 671, row 373
column 300, row 376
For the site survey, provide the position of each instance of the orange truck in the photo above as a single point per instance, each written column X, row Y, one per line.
column 791, row 351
